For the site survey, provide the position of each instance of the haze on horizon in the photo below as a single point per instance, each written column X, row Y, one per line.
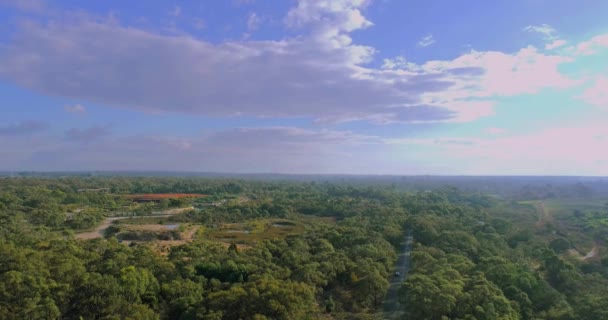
column 309, row 86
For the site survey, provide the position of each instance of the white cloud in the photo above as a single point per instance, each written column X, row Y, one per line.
column 467, row 111
column 597, row 94
column 478, row 78
column 500, row 74
column 549, row 34
column 77, row 108
column 330, row 20
column 592, row 46
column 319, row 73
column 399, row 62
column 555, row 44
column 253, row 21
column 293, row 77
column 426, row 41
column 547, row 31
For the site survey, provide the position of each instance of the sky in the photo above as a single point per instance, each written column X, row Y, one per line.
column 400, row 87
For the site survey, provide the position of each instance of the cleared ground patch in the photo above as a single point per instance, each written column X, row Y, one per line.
column 98, row 232
column 565, row 208
column 160, row 218
column 249, row 232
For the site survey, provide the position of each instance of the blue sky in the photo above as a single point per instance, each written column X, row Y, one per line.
column 306, row 86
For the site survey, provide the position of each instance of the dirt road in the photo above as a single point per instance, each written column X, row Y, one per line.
column 100, row 229
column 544, row 216
column 593, row 253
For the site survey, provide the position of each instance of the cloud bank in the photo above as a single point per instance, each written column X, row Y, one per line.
column 320, row 74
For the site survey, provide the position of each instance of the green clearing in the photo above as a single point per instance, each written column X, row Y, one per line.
column 566, row 207
column 249, row 232
column 581, row 221
column 252, row 231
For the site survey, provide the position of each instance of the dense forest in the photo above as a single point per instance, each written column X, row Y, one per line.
column 257, row 249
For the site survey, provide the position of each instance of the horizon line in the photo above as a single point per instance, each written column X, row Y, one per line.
column 4, row 172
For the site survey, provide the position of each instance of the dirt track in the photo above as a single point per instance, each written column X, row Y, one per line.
column 100, row 229
column 594, row 252
column 544, row 217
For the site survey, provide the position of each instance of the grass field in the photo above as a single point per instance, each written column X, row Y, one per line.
column 565, row 208
column 253, row 231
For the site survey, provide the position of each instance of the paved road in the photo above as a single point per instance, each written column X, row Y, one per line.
column 392, row 307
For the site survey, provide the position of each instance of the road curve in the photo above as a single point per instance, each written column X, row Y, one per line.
column 392, row 308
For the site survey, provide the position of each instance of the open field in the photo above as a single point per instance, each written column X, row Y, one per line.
column 550, row 211
column 99, row 231
column 250, row 232
column 561, row 208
